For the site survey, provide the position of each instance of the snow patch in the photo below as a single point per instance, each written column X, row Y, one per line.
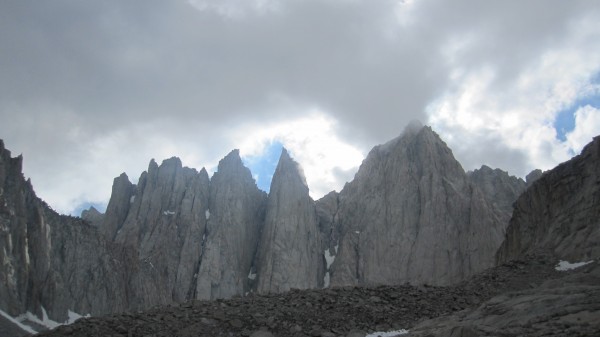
column 251, row 275
column 132, row 199
column 329, row 258
column 169, row 213
column 73, row 316
column 26, row 251
column 45, row 321
column 326, row 280
column 207, row 214
column 388, row 334
column 17, row 322
column 565, row 265
column 357, row 232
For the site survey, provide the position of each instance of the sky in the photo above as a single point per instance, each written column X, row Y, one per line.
column 90, row 89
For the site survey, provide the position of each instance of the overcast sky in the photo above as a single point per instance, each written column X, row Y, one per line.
column 90, row 89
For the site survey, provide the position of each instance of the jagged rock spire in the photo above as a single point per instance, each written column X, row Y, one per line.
column 290, row 248
column 233, row 227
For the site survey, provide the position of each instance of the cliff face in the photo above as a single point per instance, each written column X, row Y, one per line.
column 123, row 192
column 24, row 239
column 290, row 249
column 559, row 212
column 164, row 223
column 50, row 261
column 411, row 215
column 235, row 220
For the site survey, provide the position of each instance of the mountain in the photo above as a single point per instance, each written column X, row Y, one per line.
column 162, row 221
column 498, row 187
column 50, row 262
column 554, row 221
column 555, row 218
column 411, row 218
column 559, row 212
column 411, row 214
column 234, row 223
column 290, row 253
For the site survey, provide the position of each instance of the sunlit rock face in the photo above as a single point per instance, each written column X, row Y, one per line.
column 559, row 212
column 412, row 215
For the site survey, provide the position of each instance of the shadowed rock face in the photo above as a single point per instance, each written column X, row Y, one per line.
column 56, row 262
column 411, row 215
column 559, row 212
column 290, row 250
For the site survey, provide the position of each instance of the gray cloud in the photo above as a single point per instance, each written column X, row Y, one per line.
column 75, row 73
column 119, row 63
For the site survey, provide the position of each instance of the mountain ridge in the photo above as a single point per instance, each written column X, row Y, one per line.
column 179, row 235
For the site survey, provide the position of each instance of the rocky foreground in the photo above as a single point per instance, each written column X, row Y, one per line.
column 527, row 297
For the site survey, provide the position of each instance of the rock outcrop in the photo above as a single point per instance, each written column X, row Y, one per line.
column 533, row 176
column 93, row 216
column 290, row 248
column 412, row 215
column 235, row 220
column 559, row 212
column 499, row 188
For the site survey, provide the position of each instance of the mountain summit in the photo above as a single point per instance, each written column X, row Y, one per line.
column 412, row 215
column 290, row 247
